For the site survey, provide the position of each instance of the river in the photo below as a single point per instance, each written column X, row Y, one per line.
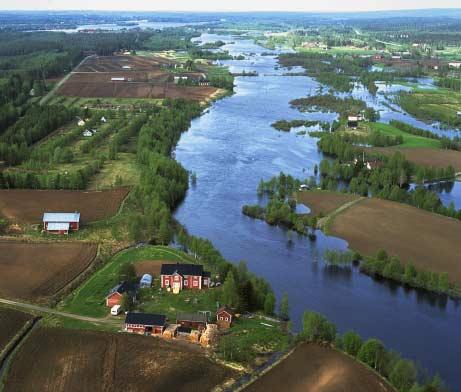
column 231, row 147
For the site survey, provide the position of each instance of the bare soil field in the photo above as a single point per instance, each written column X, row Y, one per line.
column 11, row 322
column 77, row 360
column 319, row 369
column 116, row 63
column 159, row 90
column 28, row 206
column 37, row 271
column 426, row 156
column 152, row 267
column 428, row 240
column 145, row 78
column 324, row 203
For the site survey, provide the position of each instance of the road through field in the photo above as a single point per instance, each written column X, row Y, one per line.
column 43, row 309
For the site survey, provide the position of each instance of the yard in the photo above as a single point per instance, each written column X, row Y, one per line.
column 89, row 298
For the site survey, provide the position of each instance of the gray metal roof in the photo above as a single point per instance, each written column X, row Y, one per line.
column 53, row 226
column 61, row 217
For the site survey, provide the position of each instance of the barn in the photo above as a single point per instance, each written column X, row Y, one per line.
column 61, row 222
column 184, row 276
column 115, row 295
column 192, row 321
column 145, row 323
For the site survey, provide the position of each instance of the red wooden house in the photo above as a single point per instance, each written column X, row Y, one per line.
column 61, row 222
column 145, row 324
column 115, row 295
column 184, row 276
column 224, row 317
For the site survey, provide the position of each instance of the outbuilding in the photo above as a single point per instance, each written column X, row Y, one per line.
column 61, row 222
column 353, row 121
column 191, row 321
column 146, row 281
column 224, row 317
column 145, row 323
column 115, row 294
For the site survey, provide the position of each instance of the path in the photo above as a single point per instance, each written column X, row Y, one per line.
column 55, row 312
column 48, row 96
column 323, row 222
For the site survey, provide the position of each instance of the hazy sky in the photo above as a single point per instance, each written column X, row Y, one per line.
column 229, row 5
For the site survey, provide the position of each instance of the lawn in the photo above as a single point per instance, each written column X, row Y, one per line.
column 89, row 298
column 409, row 140
column 250, row 338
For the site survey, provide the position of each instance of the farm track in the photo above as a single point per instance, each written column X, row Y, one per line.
column 42, row 309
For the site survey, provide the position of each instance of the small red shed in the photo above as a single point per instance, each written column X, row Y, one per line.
column 115, row 295
column 224, row 317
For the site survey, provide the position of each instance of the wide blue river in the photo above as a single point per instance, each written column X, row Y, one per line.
column 230, row 148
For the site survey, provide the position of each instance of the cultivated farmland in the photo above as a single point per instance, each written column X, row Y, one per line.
column 37, row 271
column 28, row 206
column 75, row 360
column 142, row 77
column 429, row 240
column 320, row 369
column 321, row 202
column 432, row 157
column 11, row 322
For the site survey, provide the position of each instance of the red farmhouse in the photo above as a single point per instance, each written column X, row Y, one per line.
column 184, row 276
column 145, row 324
column 115, row 295
column 61, row 222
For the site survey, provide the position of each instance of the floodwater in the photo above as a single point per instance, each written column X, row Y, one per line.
column 230, row 148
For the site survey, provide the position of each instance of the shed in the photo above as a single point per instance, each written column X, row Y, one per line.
column 352, row 121
column 87, row 133
column 224, row 317
column 115, row 294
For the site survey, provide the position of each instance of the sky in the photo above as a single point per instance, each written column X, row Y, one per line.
column 232, row 5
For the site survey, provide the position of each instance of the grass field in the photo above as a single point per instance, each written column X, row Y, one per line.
column 431, row 157
column 67, row 360
column 433, row 105
column 124, row 167
column 11, row 322
column 409, row 140
column 89, row 299
column 314, row 368
column 322, row 202
column 37, row 271
column 430, row 241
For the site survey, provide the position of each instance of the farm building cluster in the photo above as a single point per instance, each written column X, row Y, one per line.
column 193, row 327
column 173, row 278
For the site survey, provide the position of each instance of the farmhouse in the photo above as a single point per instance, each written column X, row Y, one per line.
column 115, row 295
column 184, row 276
column 145, row 323
column 191, row 321
column 224, row 317
column 61, row 223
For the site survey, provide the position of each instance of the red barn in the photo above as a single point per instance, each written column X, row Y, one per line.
column 184, row 276
column 145, row 324
column 192, row 321
column 224, row 317
column 61, row 222
column 115, row 295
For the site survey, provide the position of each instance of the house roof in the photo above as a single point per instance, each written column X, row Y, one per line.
column 123, row 287
column 194, row 317
column 145, row 319
column 225, row 309
column 53, row 226
column 182, row 269
column 61, row 217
